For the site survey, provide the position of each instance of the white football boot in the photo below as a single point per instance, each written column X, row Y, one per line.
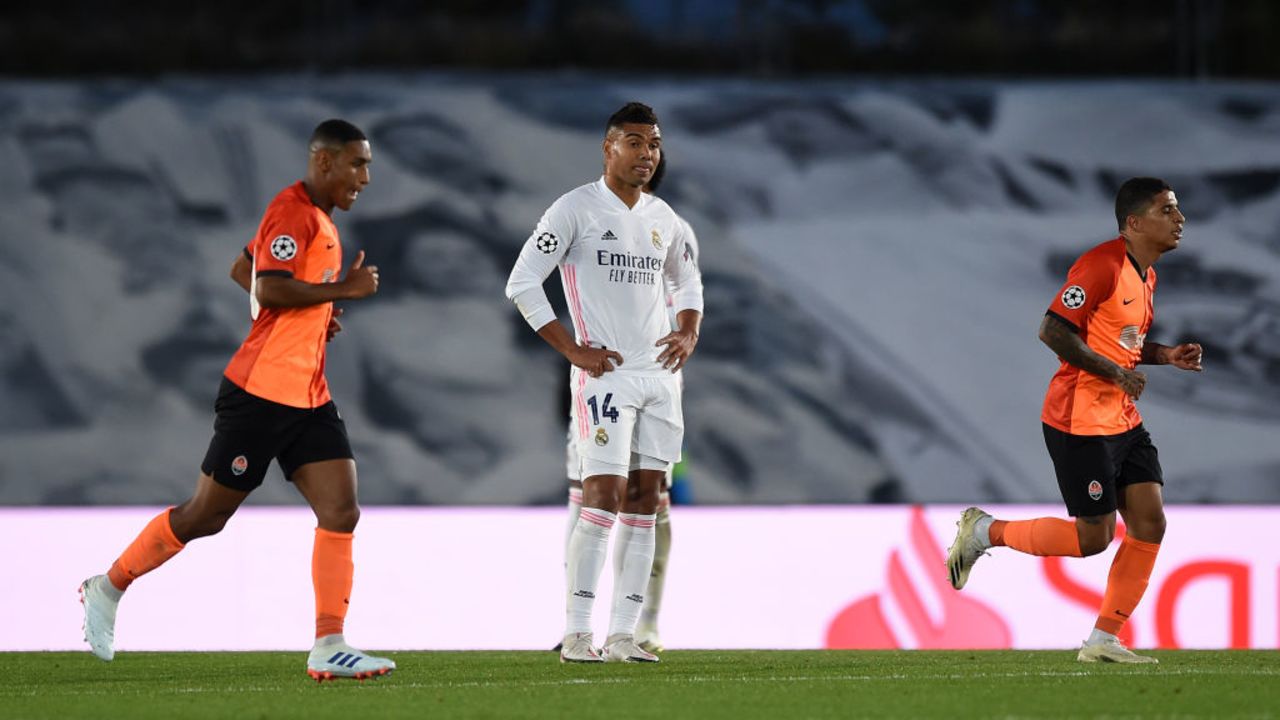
column 967, row 548
column 577, row 648
column 333, row 659
column 1111, row 651
column 623, row 648
column 99, row 617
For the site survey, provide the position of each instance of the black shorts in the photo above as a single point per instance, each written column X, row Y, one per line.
column 249, row 432
column 1093, row 468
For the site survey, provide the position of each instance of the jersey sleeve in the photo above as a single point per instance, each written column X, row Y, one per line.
column 1091, row 280
column 283, row 238
column 681, row 273
column 542, row 252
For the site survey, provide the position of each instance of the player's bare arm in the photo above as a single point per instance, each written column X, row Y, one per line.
column 278, row 292
column 680, row 343
column 242, row 271
column 595, row 361
column 1068, row 345
column 1186, row 356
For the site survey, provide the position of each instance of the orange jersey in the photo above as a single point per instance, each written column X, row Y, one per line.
column 282, row 360
column 1109, row 303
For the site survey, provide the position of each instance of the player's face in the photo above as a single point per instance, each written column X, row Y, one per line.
column 1163, row 221
column 348, row 173
column 632, row 152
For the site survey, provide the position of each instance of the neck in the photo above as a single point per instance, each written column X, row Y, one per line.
column 312, row 187
column 626, row 193
column 1141, row 252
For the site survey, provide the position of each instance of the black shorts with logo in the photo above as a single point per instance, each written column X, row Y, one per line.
column 1091, row 469
column 249, row 432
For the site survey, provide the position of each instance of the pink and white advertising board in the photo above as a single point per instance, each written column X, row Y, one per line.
column 490, row 578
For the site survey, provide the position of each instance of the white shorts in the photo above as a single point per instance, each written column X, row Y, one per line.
column 624, row 421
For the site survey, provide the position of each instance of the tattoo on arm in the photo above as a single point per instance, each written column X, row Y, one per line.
column 1152, row 353
column 1067, row 344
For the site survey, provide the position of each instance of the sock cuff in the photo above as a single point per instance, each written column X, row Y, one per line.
column 330, row 535
column 640, row 522
column 575, row 495
column 597, row 517
column 1143, row 545
column 166, row 533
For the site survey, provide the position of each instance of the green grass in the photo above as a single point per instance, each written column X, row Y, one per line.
column 688, row 684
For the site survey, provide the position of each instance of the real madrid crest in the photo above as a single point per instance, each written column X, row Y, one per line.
column 602, row 437
column 657, row 239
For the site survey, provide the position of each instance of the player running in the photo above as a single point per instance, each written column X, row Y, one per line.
column 274, row 403
column 1102, row 454
column 620, row 252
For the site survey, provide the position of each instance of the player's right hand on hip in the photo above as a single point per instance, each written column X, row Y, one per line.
column 595, row 361
column 362, row 280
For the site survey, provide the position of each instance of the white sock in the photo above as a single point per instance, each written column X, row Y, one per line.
column 657, row 576
column 1097, row 637
column 982, row 531
column 575, row 508
column 587, row 548
column 632, row 561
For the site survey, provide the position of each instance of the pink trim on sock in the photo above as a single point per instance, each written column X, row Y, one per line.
column 595, row 518
column 575, row 495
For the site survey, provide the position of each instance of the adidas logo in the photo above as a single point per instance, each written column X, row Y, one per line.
column 608, row 235
column 634, row 597
column 585, row 594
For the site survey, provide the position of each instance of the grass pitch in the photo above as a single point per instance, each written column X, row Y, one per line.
column 687, row 684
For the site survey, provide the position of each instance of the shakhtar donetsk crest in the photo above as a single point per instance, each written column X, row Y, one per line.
column 657, row 239
column 602, row 437
column 239, row 465
column 1095, row 490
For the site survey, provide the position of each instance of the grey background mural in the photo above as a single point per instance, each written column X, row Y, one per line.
column 877, row 256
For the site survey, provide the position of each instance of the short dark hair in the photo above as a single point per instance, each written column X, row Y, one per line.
column 659, row 172
column 632, row 112
column 1134, row 196
column 334, row 133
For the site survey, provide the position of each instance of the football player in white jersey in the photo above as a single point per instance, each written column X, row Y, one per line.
column 620, row 253
column 646, row 634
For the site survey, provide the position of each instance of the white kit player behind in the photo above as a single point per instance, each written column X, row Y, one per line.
column 620, row 252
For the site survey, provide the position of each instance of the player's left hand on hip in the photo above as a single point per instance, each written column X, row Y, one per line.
column 679, row 347
column 335, row 327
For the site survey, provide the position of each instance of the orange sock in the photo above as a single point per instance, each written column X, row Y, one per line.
column 1042, row 536
column 153, row 546
column 331, row 572
column 1127, row 581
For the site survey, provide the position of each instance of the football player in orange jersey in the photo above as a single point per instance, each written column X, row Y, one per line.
column 1103, row 456
column 274, row 403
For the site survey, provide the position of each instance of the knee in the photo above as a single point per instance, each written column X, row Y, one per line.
column 1149, row 528
column 1094, row 538
column 343, row 520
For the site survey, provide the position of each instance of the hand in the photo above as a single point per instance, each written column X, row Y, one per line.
column 680, row 344
column 596, row 361
column 1186, row 356
column 1131, row 382
column 362, row 280
column 335, row 327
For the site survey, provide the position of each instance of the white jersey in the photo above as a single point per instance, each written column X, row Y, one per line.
column 617, row 265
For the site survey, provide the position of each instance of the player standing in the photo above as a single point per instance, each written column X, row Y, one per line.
column 646, row 634
column 274, row 402
column 620, row 253
column 1103, row 456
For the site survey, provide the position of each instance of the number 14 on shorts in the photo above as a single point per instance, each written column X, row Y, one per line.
column 603, row 409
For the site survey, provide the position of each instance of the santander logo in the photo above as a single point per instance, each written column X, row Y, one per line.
column 962, row 623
